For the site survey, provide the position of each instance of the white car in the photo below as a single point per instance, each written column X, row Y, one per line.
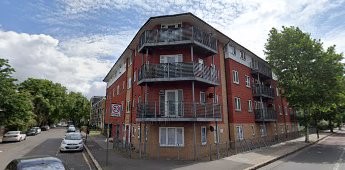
column 72, row 142
column 71, row 129
column 13, row 136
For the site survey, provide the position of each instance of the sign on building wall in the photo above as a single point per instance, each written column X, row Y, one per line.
column 115, row 110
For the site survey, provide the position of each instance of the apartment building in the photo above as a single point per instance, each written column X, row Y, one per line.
column 178, row 87
column 97, row 112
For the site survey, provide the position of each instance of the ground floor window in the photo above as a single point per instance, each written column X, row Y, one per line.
column 203, row 135
column 171, row 136
column 263, row 130
column 239, row 130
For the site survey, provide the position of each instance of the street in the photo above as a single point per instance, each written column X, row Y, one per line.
column 46, row 143
column 327, row 154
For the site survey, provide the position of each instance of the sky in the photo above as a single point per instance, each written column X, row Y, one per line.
column 76, row 42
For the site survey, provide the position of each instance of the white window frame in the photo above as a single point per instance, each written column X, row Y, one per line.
column 203, row 129
column 237, row 103
column 166, row 139
column 243, row 55
column 139, row 132
column 263, row 130
column 250, row 106
column 239, row 132
column 215, row 135
column 216, row 98
column 232, row 50
column 176, row 25
column 202, row 99
column 247, row 81
column 253, row 130
column 177, row 58
column 166, row 102
column 129, row 83
column 235, row 78
column 280, row 110
column 286, row 110
column 277, row 91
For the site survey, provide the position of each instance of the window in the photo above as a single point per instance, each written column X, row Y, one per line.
column 171, row 58
column 113, row 93
column 253, row 130
column 123, row 85
column 280, row 110
column 171, row 136
column 282, row 128
column 237, row 104
column 250, row 106
column 130, row 60
column 247, row 81
column 203, row 135
column 217, row 99
column 135, row 76
column 239, row 131
column 235, row 77
column 286, row 110
column 122, row 104
column 128, row 106
column 118, row 90
column 277, row 90
column 263, row 130
column 216, row 135
column 287, row 128
column 139, row 99
column 243, row 55
column 139, row 132
column 202, row 97
column 129, row 83
column 232, row 50
column 133, row 130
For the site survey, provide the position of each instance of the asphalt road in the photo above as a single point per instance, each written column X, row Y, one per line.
column 329, row 154
column 46, row 143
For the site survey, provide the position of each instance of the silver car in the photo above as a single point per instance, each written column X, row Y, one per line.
column 72, row 142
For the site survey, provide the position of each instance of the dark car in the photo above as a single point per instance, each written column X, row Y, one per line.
column 37, row 162
column 32, row 132
column 45, row 128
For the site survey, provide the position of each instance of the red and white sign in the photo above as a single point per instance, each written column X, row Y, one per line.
column 116, row 110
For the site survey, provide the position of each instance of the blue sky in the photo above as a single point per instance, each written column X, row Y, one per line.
column 76, row 42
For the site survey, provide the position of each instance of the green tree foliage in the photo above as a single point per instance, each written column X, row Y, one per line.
column 77, row 108
column 310, row 76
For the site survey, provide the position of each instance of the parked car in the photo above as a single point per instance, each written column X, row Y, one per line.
column 32, row 132
column 37, row 162
column 53, row 126
column 45, row 127
column 38, row 129
column 14, row 136
column 71, row 129
column 72, row 142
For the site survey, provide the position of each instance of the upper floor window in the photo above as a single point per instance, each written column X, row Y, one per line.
column 123, row 85
column 171, row 58
column 237, row 104
column 232, row 50
column 135, row 76
column 250, row 106
column 235, row 77
column 247, row 81
column 202, row 97
column 243, row 55
column 128, row 106
column 118, row 90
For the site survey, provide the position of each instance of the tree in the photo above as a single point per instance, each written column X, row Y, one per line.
column 309, row 75
column 77, row 107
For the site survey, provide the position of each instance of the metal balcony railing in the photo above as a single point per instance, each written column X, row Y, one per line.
column 178, row 111
column 265, row 114
column 172, row 36
column 259, row 67
column 261, row 90
column 178, row 71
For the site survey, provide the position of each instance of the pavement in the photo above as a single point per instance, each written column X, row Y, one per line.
column 248, row 160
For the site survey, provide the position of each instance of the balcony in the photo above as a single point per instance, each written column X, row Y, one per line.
column 266, row 114
column 178, row 72
column 178, row 36
column 263, row 91
column 178, row 111
column 260, row 68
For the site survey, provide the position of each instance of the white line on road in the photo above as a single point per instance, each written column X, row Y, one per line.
column 87, row 162
column 336, row 166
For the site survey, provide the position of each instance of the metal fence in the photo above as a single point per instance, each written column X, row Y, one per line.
column 205, row 152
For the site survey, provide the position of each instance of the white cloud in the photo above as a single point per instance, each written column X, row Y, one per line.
column 40, row 56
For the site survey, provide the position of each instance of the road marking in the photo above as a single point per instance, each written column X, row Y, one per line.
column 336, row 166
column 87, row 162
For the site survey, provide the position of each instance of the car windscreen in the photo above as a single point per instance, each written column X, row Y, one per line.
column 73, row 137
column 45, row 166
column 12, row 132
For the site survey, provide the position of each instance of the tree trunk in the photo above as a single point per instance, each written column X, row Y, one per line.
column 330, row 124
column 306, row 127
column 317, row 128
